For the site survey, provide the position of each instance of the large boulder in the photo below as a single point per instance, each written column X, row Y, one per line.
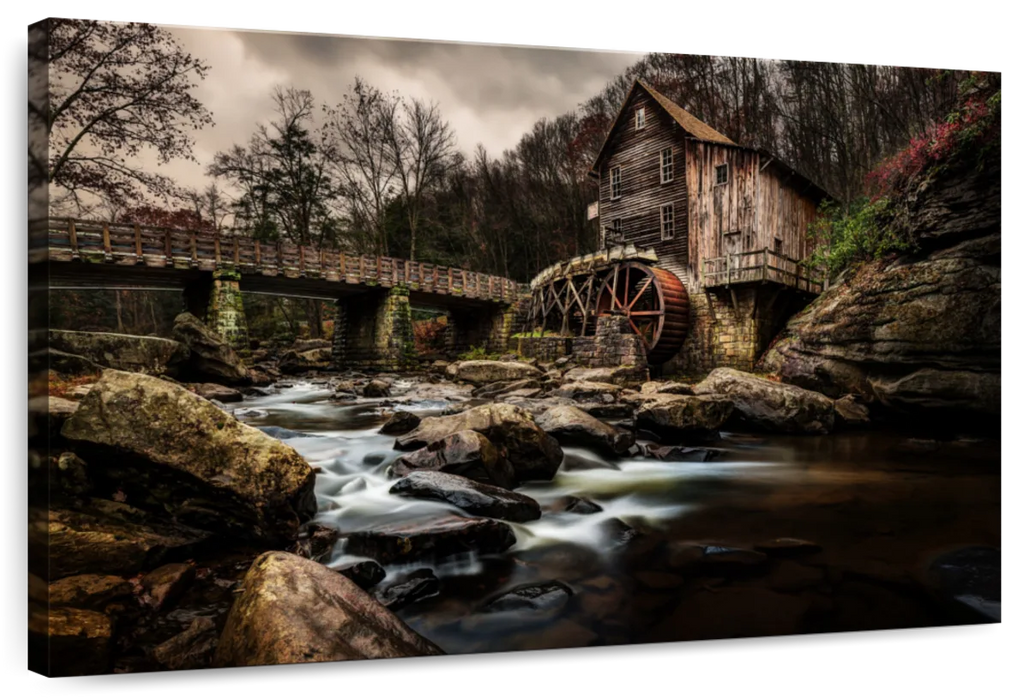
column 576, row 427
column 106, row 538
column 89, row 591
column 624, row 375
column 180, row 453
column 917, row 334
column 431, row 538
column 292, row 610
column 532, row 453
column 210, row 356
column 78, row 642
column 481, row 372
column 132, row 353
column 466, row 452
column 470, row 496
column 768, row 405
column 588, row 391
column 678, row 417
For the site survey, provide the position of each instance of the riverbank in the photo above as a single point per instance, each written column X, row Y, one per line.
column 734, row 532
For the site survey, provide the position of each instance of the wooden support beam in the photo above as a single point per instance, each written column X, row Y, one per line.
column 139, row 242
column 107, row 240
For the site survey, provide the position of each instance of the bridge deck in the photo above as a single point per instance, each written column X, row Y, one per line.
column 124, row 251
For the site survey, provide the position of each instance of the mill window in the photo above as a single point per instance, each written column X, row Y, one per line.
column 641, row 118
column 616, row 183
column 666, row 165
column 667, row 222
column 721, row 174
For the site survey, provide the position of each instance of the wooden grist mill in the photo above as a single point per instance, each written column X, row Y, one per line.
column 568, row 298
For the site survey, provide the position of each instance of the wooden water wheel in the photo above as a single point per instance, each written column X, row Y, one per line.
column 655, row 303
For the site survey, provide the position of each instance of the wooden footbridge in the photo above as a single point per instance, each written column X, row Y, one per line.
column 212, row 270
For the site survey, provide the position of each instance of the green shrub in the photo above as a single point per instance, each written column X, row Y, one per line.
column 849, row 234
column 478, row 353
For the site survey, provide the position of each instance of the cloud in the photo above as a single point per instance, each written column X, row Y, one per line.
column 490, row 94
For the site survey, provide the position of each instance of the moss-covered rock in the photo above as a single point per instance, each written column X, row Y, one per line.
column 678, row 417
column 132, row 353
column 768, row 405
column 169, row 448
column 211, row 357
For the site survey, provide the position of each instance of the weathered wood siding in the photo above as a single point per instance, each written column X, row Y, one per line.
column 717, row 211
column 638, row 153
column 786, row 208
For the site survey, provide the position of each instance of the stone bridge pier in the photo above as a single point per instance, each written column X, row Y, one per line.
column 216, row 299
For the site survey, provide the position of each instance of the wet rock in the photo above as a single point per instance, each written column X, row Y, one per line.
column 578, row 505
column 306, row 344
column 280, row 433
column 181, row 454
column 609, row 411
column 588, row 391
column 70, row 476
column 89, row 591
column 546, row 599
column 105, row 543
column 418, row 585
column 260, row 377
column 131, row 353
column 78, row 641
column 531, row 452
column 482, row 372
column 672, row 416
column 79, row 392
column 317, row 542
column 968, row 580
column 433, row 538
column 364, row 573
column 787, row 546
column 292, row 610
column 467, row 453
column 210, row 357
column 520, row 394
column 624, row 376
column 667, row 453
column 496, row 389
column 62, row 362
column 49, row 413
column 667, row 388
column 691, row 557
column 618, row 532
column 218, row 392
column 470, row 496
column 193, row 648
column 769, row 405
column 850, row 411
column 376, row 389
column 576, row 427
column 399, row 423
column 658, row 580
column 792, row 577
column 164, row 585
column 298, row 362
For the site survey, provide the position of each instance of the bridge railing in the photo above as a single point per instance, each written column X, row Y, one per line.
column 133, row 244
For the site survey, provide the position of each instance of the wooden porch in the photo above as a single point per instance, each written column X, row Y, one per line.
column 760, row 266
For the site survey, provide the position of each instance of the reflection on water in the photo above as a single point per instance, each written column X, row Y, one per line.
column 871, row 496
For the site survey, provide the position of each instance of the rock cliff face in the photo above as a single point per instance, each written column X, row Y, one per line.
column 920, row 333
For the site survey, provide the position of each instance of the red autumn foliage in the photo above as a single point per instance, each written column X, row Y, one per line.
column 430, row 336
column 975, row 123
column 149, row 215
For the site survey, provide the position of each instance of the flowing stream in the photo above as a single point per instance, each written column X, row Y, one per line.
column 870, row 499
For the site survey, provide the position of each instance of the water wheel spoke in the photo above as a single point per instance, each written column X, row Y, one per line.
column 645, row 287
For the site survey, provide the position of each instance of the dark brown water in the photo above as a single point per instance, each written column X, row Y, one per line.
column 882, row 505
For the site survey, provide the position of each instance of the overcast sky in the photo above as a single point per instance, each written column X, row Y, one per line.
column 489, row 94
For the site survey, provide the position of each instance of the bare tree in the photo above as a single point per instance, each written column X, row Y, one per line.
column 423, row 149
column 115, row 90
column 359, row 130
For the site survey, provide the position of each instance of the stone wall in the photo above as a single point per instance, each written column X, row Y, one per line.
column 545, row 349
column 613, row 345
column 727, row 334
column 489, row 328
